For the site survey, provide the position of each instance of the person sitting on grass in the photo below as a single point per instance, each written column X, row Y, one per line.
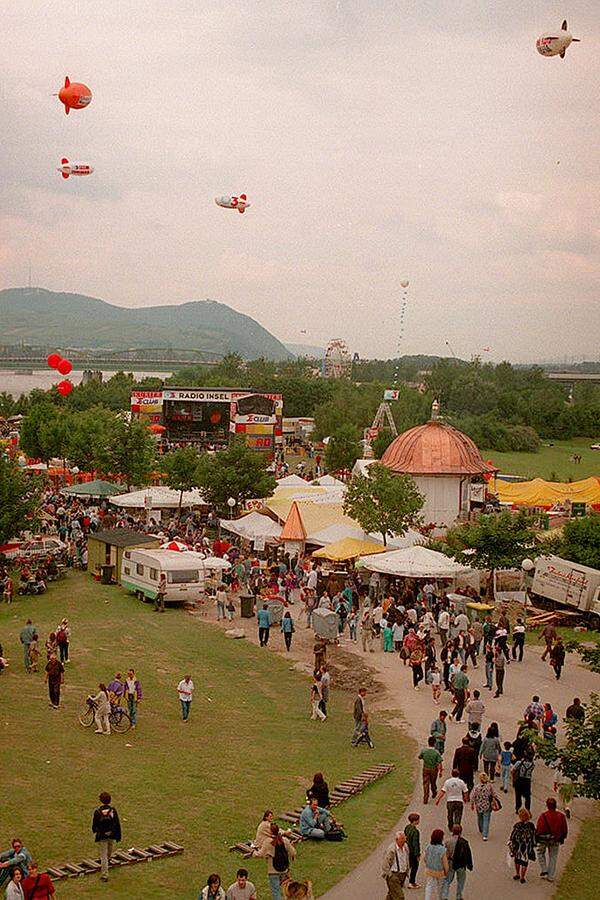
column 315, row 821
column 38, row 885
column 18, row 857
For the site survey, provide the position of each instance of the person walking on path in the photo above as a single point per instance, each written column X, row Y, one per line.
column 438, row 730
column 460, row 859
column 436, row 865
column 484, row 801
column 263, row 617
column 466, row 761
column 220, row 601
column 133, row 692
column 325, row 688
column 316, row 697
column 413, row 842
column 518, row 640
column 522, row 774
column 161, row 593
column 460, row 684
column 499, row 665
column 457, row 794
column 395, row 867
column 287, row 629
column 551, row 831
column 416, row 663
column 489, row 667
column 521, row 844
column 575, row 712
column 432, row 767
column 55, row 676
column 490, row 752
column 549, row 634
column 475, row 709
column 185, row 689
column 366, row 630
column 359, row 713
column 101, row 710
column 107, row 828
column 26, row 637
column 506, row 760
column 557, row 657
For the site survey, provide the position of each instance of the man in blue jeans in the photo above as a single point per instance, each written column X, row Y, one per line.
column 264, row 624
column 314, row 821
column 185, row 689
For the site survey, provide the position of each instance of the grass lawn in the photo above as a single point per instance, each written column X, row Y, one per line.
column 580, row 878
column 567, row 634
column 551, row 463
column 204, row 784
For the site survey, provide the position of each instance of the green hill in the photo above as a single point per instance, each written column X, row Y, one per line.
column 47, row 318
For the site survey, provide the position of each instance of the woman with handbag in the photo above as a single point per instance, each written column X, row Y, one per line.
column 485, row 800
column 521, row 844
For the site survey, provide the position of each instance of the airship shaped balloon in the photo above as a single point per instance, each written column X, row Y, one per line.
column 240, row 203
column 67, row 168
column 555, row 44
column 74, row 95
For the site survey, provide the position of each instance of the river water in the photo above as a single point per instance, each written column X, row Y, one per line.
column 17, row 383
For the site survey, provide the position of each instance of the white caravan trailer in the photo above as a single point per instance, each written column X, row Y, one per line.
column 185, row 570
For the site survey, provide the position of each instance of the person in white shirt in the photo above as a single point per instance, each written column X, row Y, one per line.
column 456, row 793
column 185, row 689
column 377, row 617
column 311, row 581
column 443, row 624
column 395, row 867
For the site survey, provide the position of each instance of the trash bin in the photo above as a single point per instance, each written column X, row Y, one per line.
column 246, row 606
column 106, row 574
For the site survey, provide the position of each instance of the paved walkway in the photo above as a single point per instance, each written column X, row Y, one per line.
column 490, row 868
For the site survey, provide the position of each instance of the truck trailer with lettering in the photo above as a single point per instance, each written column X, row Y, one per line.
column 560, row 582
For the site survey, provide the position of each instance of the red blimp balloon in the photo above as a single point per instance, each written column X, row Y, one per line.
column 74, row 95
column 53, row 360
column 64, row 367
column 64, row 388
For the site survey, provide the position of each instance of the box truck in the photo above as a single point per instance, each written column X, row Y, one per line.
column 565, row 583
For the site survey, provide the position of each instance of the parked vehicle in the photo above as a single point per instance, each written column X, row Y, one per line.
column 185, row 571
column 41, row 546
column 559, row 582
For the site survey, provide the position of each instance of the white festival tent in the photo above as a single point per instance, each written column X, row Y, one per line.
column 414, row 562
column 330, row 481
column 341, row 530
column 157, row 498
column 253, row 526
column 292, row 481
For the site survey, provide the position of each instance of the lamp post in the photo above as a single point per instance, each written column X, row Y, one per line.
column 527, row 566
column 231, row 503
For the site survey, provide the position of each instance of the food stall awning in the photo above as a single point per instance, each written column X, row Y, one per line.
column 414, row 562
column 348, row 548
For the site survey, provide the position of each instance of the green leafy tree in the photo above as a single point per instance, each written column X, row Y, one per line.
column 580, row 541
column 90, row 437
column 382, row 442
column 131, row 451
column 578, row 758
column 181, row 469
column 343, row 448
column 492, row 542
column 18, row 500
column 45, row 432
column 237, row 472
column 382, row 502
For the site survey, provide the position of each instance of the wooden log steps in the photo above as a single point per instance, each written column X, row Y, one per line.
column 119, row 858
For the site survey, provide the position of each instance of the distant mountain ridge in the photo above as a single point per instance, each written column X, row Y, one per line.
column 308, row 350
column 42, row 317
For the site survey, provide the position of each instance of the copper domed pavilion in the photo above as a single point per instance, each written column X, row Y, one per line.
column 442, row 461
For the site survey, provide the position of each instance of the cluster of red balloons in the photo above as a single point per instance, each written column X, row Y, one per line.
column 56, row 361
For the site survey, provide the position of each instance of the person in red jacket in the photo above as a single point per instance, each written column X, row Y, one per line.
column 550, row 832
column 37, row 886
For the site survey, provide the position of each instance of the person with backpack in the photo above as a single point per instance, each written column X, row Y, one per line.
column 522, row 773
column 279, row 853
column 107, row 828
column 551, row 831
column 395, row 867
column 460, row 859
column 63, row 634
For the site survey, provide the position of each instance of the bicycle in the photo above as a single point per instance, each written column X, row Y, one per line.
column 118, row 719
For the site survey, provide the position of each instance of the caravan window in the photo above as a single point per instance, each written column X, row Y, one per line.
column 185, row 576
column 139, row 568
column 127, row 554
column 127, row 570
column 154, row 574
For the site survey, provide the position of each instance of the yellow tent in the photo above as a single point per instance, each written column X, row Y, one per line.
column 348, row 548
column 546, row 493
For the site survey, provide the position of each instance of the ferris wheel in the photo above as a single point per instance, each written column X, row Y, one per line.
column 338, row 361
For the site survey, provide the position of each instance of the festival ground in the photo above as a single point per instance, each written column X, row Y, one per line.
column 249, row 745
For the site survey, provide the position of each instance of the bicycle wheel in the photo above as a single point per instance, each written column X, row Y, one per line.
column 119, row 720
column 86, row 716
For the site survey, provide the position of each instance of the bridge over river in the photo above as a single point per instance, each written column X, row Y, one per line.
column 161, row 359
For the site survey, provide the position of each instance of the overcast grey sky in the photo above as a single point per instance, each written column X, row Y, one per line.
column 375, row 139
